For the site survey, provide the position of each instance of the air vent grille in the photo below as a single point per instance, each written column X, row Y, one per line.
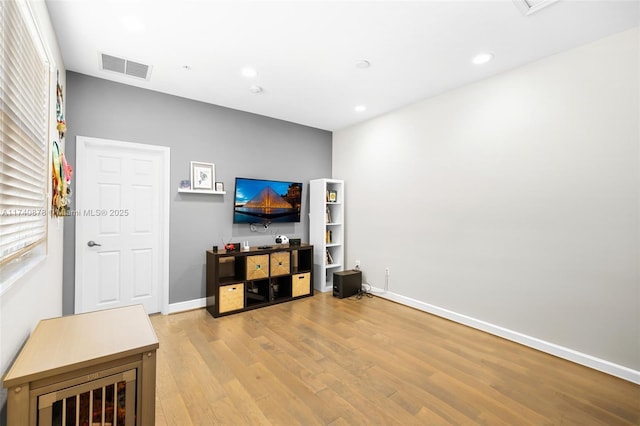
column 111, row 63
column 124, row 66
column 136, row 69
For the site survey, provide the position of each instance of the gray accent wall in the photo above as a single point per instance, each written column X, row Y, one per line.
column 513, row 201
column 240, row 144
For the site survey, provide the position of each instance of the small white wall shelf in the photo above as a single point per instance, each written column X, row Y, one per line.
column 200, row 191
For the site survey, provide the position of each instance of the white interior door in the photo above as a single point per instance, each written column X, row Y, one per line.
column 122, row 225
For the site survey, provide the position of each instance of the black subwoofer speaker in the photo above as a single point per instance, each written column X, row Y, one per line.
column 346, row 283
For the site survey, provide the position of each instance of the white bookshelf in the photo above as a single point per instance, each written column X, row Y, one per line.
column 326, row 230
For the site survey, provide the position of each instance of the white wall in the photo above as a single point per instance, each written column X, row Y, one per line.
column 513, row 201
column 38, row 294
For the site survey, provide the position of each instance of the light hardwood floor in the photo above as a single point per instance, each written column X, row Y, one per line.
column 327, row 361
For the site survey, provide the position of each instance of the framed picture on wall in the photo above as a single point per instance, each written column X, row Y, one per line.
column 203, row 175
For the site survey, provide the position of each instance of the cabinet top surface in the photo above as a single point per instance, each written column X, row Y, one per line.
column 256, row 250
column 59, row 343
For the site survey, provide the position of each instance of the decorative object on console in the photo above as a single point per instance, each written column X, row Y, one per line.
column 295, row 242
column 202, row 175
column 232, row 247
column 282, row 239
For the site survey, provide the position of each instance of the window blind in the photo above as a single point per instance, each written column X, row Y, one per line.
column 24, row 81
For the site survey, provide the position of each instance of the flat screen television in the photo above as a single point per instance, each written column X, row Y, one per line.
column 266, row 201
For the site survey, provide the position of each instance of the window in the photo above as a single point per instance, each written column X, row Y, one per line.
column 24, row 99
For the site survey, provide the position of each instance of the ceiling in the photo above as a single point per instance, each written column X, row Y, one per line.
column 305, row 52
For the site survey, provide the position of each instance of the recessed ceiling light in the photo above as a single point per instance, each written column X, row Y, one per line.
column 482, row 58
column 255, row 89
column 360, row 108
column 362, row 63
column 249, row 72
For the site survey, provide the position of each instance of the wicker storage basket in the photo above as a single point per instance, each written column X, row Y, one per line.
column 280, row 263
column 300, row 284
column 257, row 266
column 231, row 297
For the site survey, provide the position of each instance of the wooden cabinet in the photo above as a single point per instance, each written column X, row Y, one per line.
column 97, row 368
column 326, row 229
column 243, row 280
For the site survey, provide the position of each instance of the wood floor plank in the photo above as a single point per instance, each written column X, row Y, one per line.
column 328, row 361
column 171, row 408
column 244, row 410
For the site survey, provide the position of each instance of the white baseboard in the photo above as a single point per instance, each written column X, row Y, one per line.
column 187, row 306
column 532, row 342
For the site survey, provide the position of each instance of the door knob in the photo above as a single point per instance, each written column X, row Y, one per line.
column 93, row 244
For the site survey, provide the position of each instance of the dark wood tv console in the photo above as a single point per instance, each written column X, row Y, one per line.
column 238, row 281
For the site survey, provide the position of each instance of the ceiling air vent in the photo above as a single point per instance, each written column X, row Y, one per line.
column 124, row 66
column 527, row 7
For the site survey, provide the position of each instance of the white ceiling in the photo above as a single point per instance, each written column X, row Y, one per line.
column 305, row 51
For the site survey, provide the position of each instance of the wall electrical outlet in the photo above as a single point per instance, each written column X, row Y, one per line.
column 357, row 265
column 386, row 271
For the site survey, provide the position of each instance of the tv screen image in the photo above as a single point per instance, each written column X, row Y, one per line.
column 264, row 201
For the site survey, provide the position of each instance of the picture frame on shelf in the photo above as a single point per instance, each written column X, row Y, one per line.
column 185, row 184
column 203, row 175
column 332, row 196
column 219, row 186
